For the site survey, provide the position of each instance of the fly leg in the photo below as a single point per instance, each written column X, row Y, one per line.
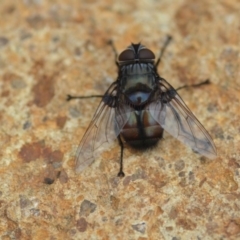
column 110, row 42
column 195, row 85
column 121, row 173
column 70, row 97
column 169, row 38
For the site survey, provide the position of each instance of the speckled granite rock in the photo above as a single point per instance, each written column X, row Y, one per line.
column 49, row 49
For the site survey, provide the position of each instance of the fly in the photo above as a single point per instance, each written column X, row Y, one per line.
column 138, row 107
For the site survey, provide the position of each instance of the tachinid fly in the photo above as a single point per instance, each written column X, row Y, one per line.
column 138, row 107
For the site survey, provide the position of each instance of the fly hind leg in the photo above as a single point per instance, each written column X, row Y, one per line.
column 121, row 173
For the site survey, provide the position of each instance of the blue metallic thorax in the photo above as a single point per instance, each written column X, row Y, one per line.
column 137, row 82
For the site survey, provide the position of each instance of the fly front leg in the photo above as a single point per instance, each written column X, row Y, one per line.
column 70, row 97
column 195, row 85
column 121, row 173
column 168, row 40
column 107, row 97
column 110, row 42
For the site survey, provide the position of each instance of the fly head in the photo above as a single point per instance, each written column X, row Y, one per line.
column 136, row 53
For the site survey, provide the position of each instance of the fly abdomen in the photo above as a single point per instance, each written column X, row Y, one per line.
column 141, row 131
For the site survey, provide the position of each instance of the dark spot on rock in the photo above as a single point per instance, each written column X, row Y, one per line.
column 230, row 137
column 44, row 90
column 63, row 177
column 139, row 174
column 35, row 21
column 38, row 67
column 141, row 227
column 24, row 202
column 86, row 208
column 158, row 183
column 74, row 112
column 72, row 232
column 35, row 212
column 183, row 182
column 169, row 229
column 46, row 153
column 50, row 174
column 77, row 52
column 233, row 228
column 18, row 83
column 45, row 119
column 56, row 156
column 186, row 224
column 127, row 180
column 46, row 215
column 48, row 181
column 3, row 41
column 81, row 225
column 217, row 130
column 114, row 181
column 56, row 165
column 173, row 213
column 161, row 162
column 104, row 219
column 179, row 165
column 212, row 107
column 10, row 9
column 30, row 151
column 119, row 222
column 203, row 160
column 5, row 93
column 211, row 227
column 52, row 156
column 191, row 176
column 2, row 203
column 27, row 125
column 10, row 77
column 25, row 35
column 61, row 120
column 202, row 182
column 58, row 174
column 114, row 202
column 176, row 238
column 17, row 233
column 181, row 174
column 233, row 163
column 55, row 39
column 229, row 55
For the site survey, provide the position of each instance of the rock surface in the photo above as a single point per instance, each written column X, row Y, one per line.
column 49, row 49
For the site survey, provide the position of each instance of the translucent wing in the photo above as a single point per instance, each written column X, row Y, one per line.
column 105, row 126
column 176, row 118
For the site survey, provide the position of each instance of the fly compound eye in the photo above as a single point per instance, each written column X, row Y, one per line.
column 145, row 54
column 126, row 55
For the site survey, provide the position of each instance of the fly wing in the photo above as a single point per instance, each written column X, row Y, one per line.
column 105, row 126
column 177, row 119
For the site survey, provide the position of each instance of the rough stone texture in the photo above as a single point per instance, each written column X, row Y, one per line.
column 49, row 49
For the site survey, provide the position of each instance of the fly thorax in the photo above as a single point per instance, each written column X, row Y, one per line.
column 138, row 82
